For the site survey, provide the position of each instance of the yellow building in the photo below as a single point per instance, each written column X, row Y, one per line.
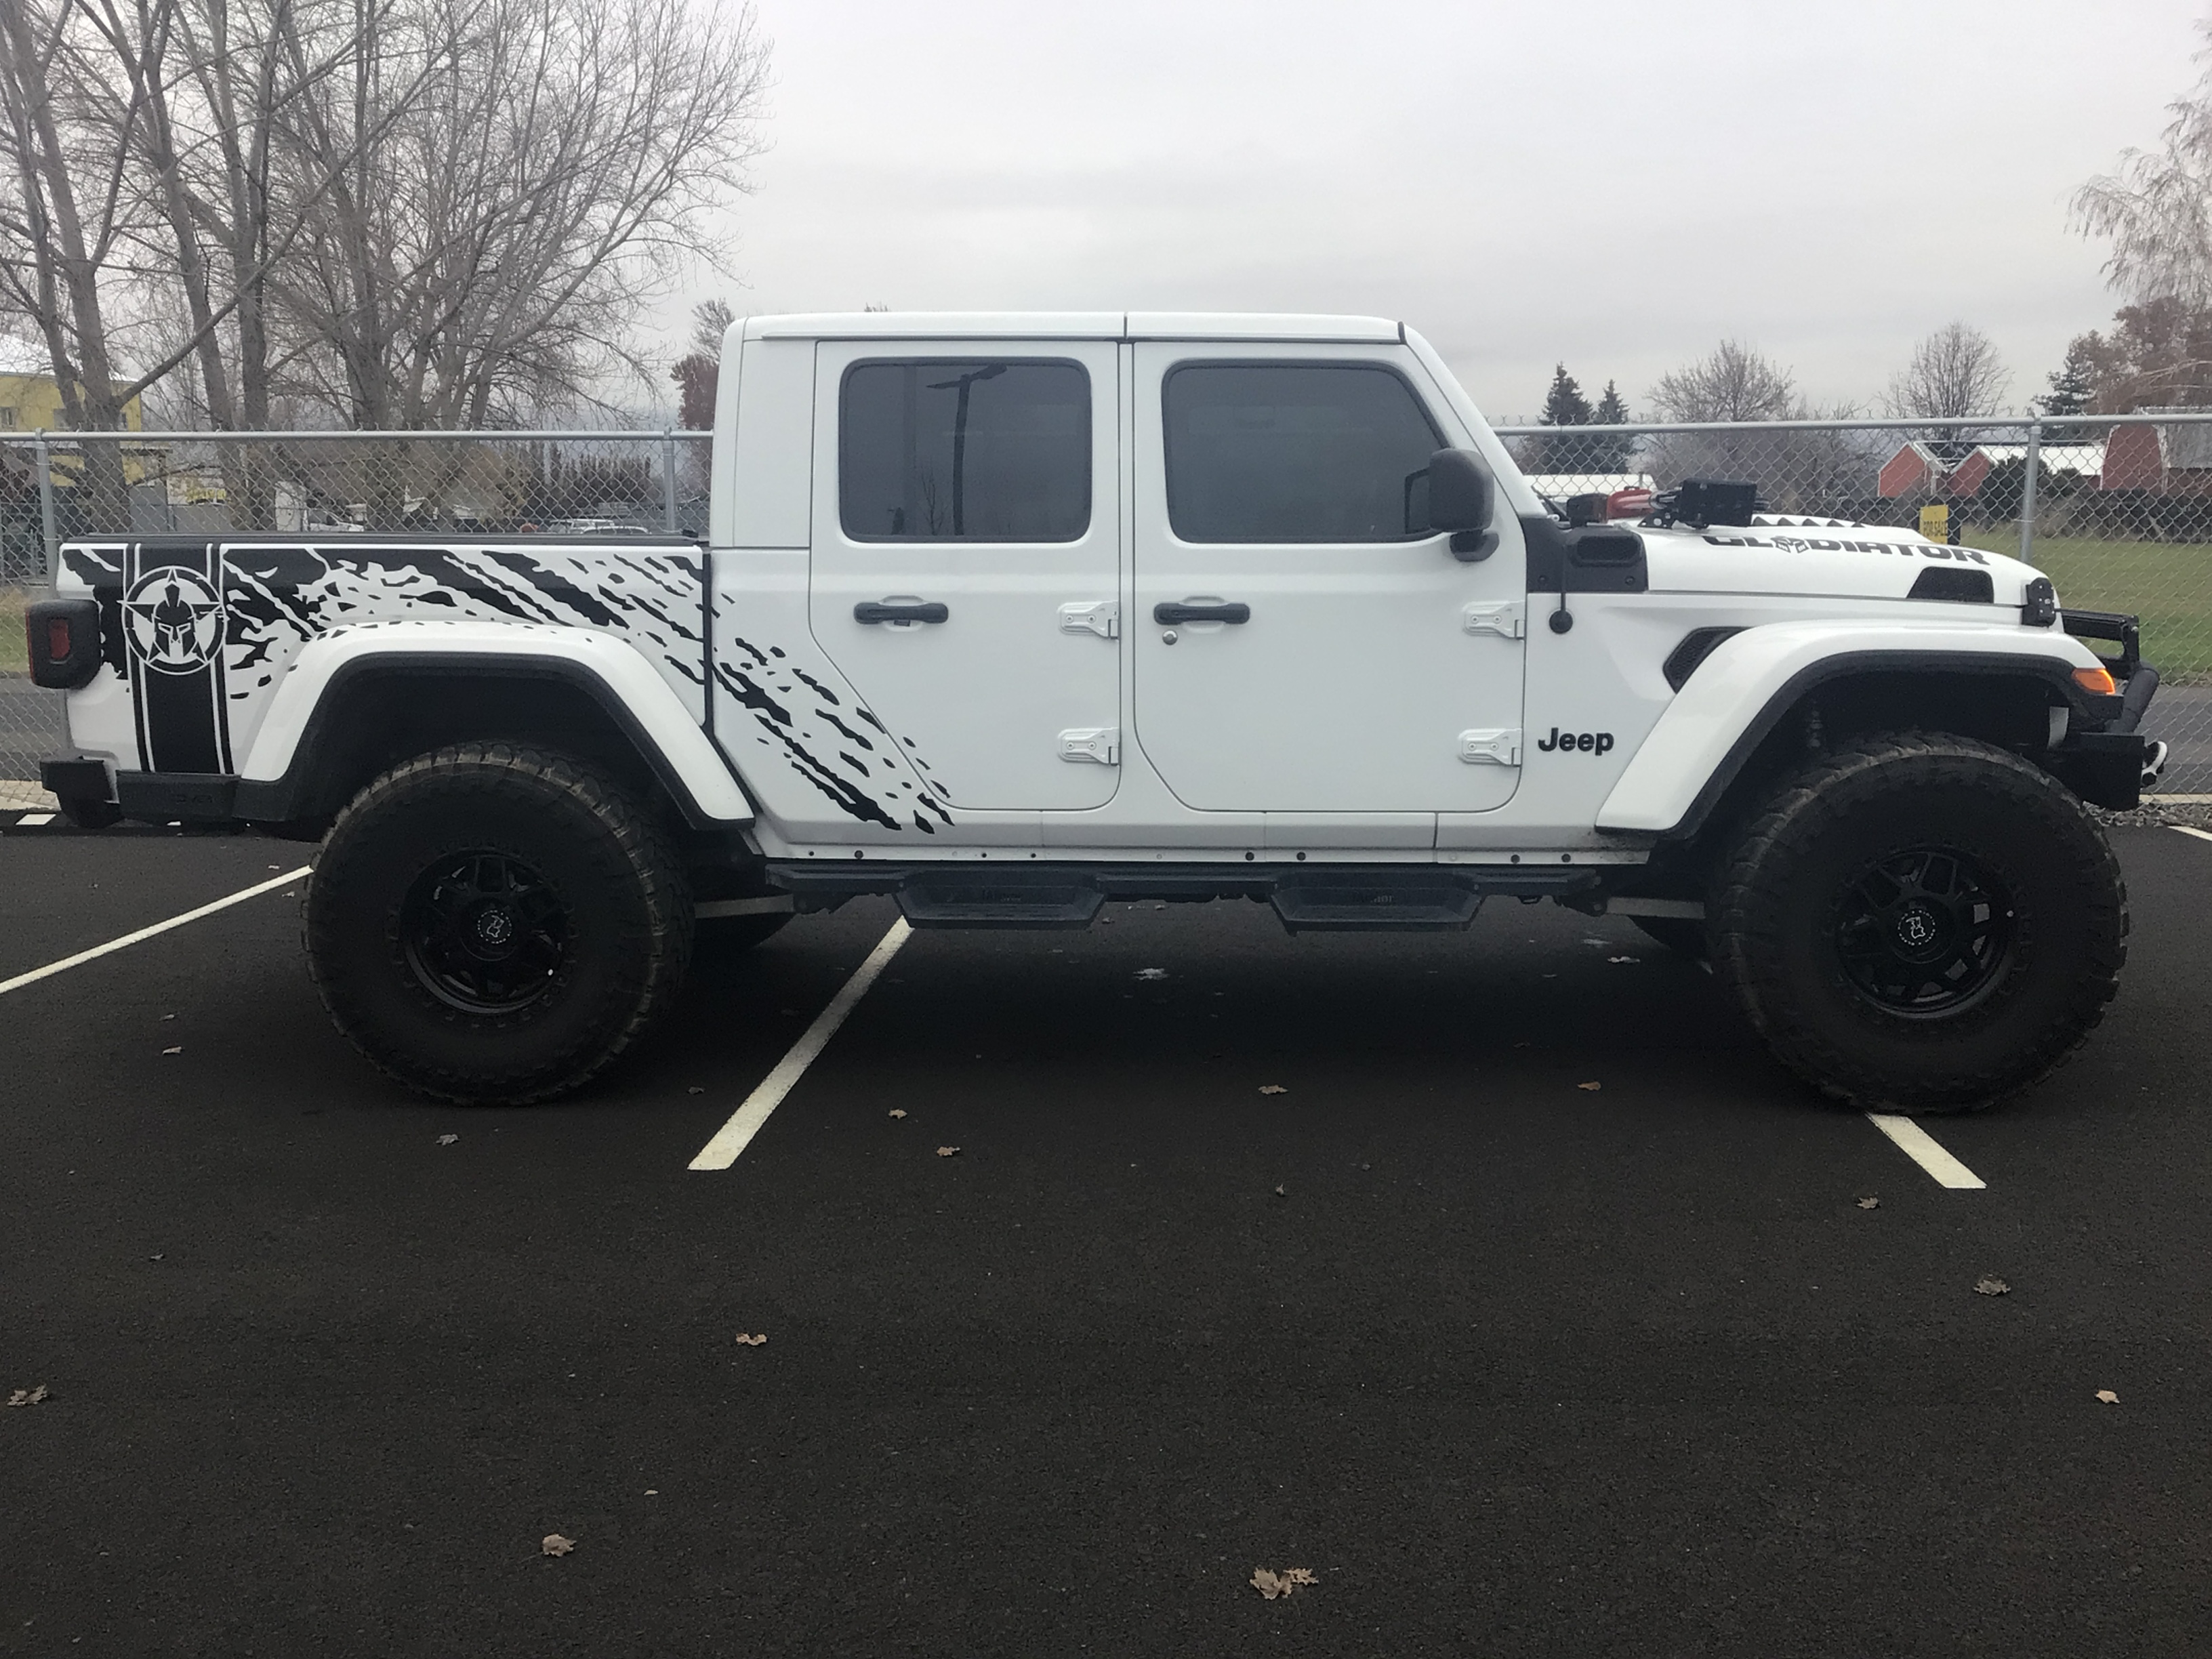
column 29, row 402
column 33, row 402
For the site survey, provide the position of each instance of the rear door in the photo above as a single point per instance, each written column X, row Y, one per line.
column 966, row 559
column 1321, row 651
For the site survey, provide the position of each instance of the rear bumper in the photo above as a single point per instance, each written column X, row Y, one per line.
column 74, row 777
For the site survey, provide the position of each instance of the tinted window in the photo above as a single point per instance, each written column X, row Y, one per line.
column 1296, row 453
column 965, row 450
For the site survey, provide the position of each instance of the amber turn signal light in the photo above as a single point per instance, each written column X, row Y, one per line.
column 2099, row 680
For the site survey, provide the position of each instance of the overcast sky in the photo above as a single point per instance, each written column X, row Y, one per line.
column 1616, row 185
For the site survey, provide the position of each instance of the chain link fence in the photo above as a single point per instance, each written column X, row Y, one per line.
column 2118, row 510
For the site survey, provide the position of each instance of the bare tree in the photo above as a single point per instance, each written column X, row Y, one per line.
column 1954, row 372
column 65, row 222
column 493, row 255
column 1734, row 382
column 2156, row 207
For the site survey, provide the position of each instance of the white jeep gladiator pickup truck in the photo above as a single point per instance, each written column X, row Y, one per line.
column 1004, row 616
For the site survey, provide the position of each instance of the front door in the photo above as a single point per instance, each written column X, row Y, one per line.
column 1304, row 643
column 966, row 560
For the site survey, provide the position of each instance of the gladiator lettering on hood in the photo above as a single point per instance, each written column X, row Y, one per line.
column 1831, row 544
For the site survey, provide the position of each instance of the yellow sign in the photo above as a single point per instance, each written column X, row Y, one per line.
column 1936, row 523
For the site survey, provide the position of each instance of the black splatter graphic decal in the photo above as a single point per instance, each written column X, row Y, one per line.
column 282, row 596
column 866, row 792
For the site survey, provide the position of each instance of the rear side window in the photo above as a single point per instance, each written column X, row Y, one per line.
column 967, row 449
column 1296, row 453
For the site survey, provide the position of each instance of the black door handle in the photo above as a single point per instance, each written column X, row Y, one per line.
column 869, row 612
column 1168, row 613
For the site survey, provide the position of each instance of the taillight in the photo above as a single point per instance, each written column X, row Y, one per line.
column 64, row 642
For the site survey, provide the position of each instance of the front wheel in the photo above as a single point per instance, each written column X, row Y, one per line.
column 1921, row 922
column 492, row 923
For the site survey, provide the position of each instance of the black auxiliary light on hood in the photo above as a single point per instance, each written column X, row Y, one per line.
column 1698, row 502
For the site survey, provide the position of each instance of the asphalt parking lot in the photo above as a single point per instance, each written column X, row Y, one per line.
column 1510, row 1365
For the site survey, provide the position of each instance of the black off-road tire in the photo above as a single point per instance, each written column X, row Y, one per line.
column 1678, row 933
column 451, row 858
column 2028, row 909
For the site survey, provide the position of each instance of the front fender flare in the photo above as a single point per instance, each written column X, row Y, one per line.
column 1742, row 691
column 278, row 777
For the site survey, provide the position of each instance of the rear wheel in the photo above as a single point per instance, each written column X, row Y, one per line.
column 1921, row 922
column 495, row 923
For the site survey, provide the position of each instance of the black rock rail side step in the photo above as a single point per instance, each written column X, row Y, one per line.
column 960, row 899
column 1307, row 897
column 1318, row 907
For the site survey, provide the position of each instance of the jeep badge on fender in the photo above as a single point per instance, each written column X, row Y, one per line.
column 1588, row 742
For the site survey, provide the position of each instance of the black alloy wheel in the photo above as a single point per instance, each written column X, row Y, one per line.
column 1918, row 921
column 1924, row 934
column 491, row 922
column 484, row 932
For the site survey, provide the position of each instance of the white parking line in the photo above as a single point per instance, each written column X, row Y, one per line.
column 238, row 897
column 734, row 1136
column 1917, row 1144
column 2200, row 834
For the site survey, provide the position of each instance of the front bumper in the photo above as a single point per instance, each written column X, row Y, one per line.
column 2108, row 762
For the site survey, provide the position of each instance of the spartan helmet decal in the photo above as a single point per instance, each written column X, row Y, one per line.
column 173, row 620
column 1793, row 544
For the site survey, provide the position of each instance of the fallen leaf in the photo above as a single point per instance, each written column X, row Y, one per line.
column 168, row 1017
column 1623, row 958
column 2108, row 1396
column 1273, row 1089
column 28, row 1396
column 1869, row 1204
column 447, row 1140
column 695, row 1089
column 1152, row 973
column 1521, row 1045
column 1274, row 1584
column 1987, row 1285
column 752, row 1340
column 554, row 1544
column 898, row 1111
column 1592, row 1087
column 1282, row 1192
column 178, row 1049
column 946, row 1152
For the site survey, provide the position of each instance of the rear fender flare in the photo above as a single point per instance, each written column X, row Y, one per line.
column 277, row 779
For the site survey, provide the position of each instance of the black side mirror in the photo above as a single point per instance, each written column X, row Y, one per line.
column 1462, row 497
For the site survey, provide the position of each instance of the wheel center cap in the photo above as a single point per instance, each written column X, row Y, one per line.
column 1916, row 927
column 495, row 928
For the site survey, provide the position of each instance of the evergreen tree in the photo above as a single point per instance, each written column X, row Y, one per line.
column 1609, row 451
column 1565, row 404
column 2074, row 382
